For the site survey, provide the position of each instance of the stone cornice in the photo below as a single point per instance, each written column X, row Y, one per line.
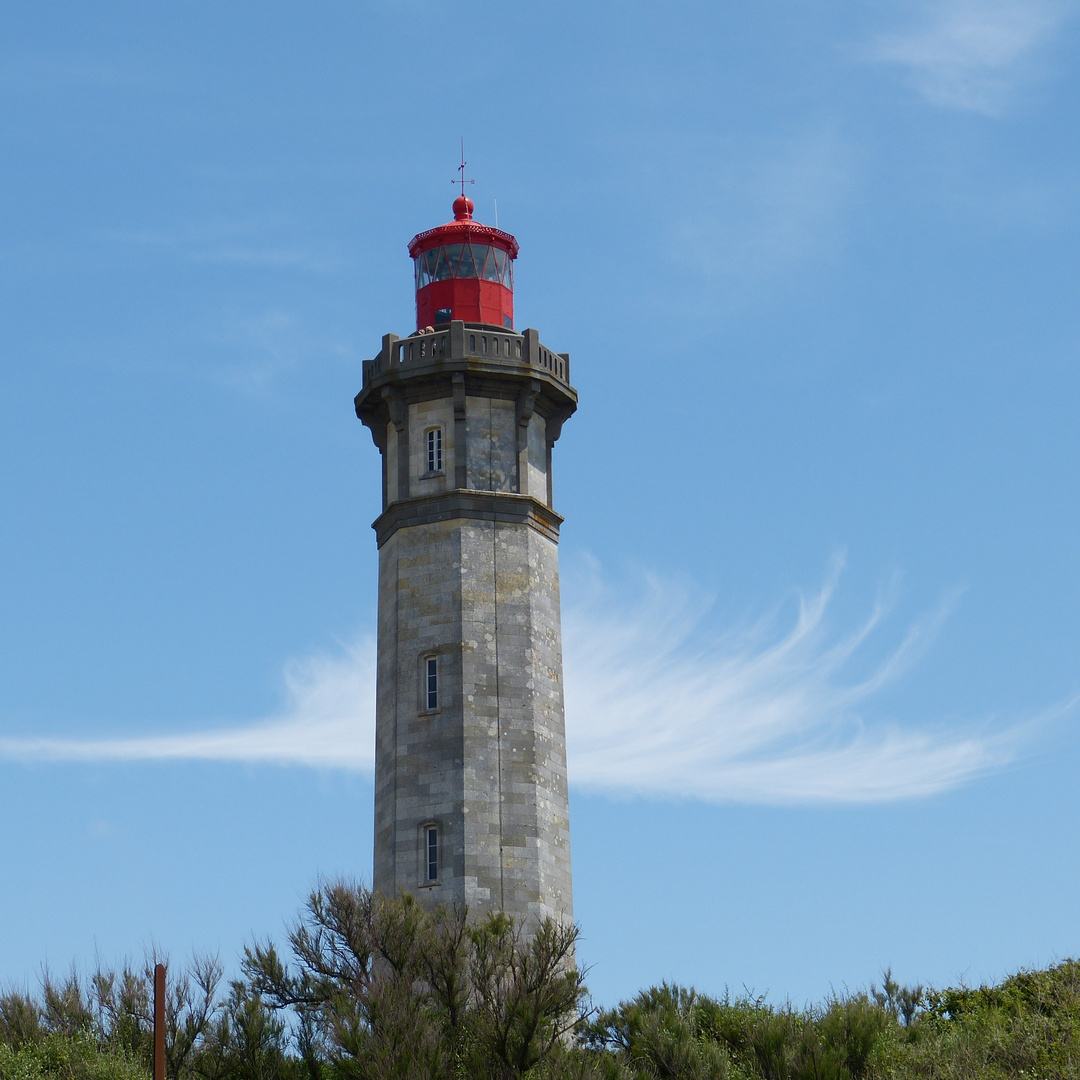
column 423, row 367
column 464, row 503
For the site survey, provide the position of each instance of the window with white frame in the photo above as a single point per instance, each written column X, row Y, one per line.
column 431, row 683
column 434, row 450
column 432, row 853
column 429, row 853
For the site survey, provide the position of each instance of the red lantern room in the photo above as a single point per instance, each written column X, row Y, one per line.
column 464, row 270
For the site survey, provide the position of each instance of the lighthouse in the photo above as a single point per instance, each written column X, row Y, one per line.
column 470, row 747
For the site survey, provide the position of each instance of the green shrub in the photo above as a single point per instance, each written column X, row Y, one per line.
column 62, row 1056
column 382, row 989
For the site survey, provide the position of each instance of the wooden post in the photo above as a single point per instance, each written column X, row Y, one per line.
column 159, row 1022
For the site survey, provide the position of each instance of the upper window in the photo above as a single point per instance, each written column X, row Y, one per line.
column 464, row 261
column 434, row 450
column 431, row 683
column 431, row 853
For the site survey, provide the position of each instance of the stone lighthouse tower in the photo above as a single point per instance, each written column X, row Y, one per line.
column 470, row 756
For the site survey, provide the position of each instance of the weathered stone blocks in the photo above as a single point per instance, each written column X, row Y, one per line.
column 469, row 583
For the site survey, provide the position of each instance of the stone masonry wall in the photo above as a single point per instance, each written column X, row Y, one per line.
column 489, row 767
column 491, row 452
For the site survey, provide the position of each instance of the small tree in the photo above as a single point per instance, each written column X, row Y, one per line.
column 386, row 990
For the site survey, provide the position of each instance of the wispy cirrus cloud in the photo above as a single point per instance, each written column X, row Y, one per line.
column 760, row 714
column 264, row 346
column 249, row 244
column 49, row 72
column 657, row 704
column 972, row 55
column 327, row 722
column 772, row 205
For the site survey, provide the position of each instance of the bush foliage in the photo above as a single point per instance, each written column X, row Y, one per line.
column 371, row 988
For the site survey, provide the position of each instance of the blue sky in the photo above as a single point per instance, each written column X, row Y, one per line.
column 816, row 268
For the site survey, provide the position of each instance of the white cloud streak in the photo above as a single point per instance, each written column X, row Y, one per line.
column 771, row 206
column 51, row 73
column 265, row 346
column 328, row 722
column 230, row 244
column 972, row 55
column 656, row 705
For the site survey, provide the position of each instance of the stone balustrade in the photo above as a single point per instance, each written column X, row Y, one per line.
column 469, row 342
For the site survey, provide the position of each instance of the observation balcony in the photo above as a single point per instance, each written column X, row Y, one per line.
column 465, row 346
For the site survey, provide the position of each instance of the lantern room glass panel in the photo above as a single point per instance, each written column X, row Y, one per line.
column 453, row 258
column 491, row 265
column 425, row 267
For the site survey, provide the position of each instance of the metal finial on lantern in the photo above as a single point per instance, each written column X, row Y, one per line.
column 461, row 170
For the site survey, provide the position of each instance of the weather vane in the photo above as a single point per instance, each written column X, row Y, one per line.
column 461, row 169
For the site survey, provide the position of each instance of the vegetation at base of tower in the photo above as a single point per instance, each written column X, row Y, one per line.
column 1028, row 1026
column 382, row 989
column 370, row 987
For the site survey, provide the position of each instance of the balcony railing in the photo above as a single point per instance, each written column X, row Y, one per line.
column 462, row 341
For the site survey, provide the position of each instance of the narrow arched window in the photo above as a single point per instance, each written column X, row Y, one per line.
column 431, row 683
column 429, row 852
column 431, row 845
column 434, row 450
column 429, row 697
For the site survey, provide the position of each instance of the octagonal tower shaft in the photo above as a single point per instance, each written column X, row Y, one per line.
column 470, row 774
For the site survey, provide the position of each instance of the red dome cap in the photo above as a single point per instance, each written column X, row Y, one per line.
column 463, row 208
